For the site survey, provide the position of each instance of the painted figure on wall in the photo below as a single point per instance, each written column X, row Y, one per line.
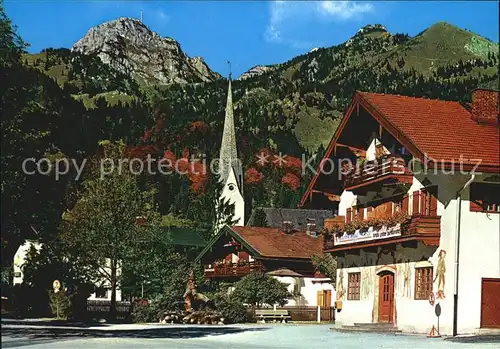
column 406, row 282
column 366, row 282
column 440, row 274
column 340, row 285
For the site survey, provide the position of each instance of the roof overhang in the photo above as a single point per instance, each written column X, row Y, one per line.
column 359, row 101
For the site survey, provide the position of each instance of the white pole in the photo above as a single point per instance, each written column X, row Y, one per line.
column 319, row 313
column 142, row 290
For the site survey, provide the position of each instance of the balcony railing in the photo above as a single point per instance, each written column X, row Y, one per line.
column 427, row 228
column 374, row 170
column 232, row 269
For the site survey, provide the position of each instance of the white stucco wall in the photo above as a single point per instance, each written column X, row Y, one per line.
column 308, row 290
column 479, row 258
column 234, row 197
column 20, row 258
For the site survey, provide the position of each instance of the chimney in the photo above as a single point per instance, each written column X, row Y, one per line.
column 485, row 106
column 287, row 226
column 311, row 227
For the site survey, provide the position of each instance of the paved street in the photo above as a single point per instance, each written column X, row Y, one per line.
column 37, row 335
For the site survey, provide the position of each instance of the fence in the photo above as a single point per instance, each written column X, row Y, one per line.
column 100, row 309
column 309, row 313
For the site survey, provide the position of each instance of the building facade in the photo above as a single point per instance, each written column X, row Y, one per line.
column 102, row 287
column 286, row 255
column 419, row 188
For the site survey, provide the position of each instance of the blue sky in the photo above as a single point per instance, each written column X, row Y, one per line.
column 245, row 32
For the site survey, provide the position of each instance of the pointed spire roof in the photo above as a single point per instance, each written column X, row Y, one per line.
column 228, row 153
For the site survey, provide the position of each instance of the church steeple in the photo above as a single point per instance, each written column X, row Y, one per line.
column 230, row 167
column 228, row 152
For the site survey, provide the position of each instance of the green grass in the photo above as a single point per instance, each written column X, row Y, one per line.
column 112, row 98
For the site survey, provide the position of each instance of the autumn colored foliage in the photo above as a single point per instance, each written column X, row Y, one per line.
column 253, row 176
column 291, row 180
column 198, row 126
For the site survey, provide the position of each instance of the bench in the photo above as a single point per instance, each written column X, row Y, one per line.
column 265, row 314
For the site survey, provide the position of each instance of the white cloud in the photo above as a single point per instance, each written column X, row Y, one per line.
column 343, row 9
column 286, row 15
column 162, row 16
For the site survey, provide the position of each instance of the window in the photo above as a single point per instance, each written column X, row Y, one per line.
column 423, row 282
column 485, row 197
column 353, row 286
column 428, row 201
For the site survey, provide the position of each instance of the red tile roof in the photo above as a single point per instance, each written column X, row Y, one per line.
column 274, row 243
column 443, row 130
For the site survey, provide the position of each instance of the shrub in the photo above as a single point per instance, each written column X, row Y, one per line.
column 232, row 310
column 142, row 313
column 60, row 304
column 258, row 289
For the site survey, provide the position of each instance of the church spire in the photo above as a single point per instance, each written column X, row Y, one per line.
column 228, row 152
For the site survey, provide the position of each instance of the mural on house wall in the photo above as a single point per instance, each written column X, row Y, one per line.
column 440, row 274
column 340, row 285
column 407, row 280
column 367, row 276
column 399, row 282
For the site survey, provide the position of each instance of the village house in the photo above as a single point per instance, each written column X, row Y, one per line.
column 102, row 287
column 283, row 253
column 419, row 206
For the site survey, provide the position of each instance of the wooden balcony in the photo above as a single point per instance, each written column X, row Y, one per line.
column 372, row 173
column 426, row 229
column 230, row 270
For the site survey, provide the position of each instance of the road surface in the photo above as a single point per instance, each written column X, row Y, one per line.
column 39, row 336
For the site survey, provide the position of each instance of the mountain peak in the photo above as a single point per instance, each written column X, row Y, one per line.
column 130, row 47
column 370, row 28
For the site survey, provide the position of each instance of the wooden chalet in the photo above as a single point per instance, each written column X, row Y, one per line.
column 418, row 195
column 282, row 253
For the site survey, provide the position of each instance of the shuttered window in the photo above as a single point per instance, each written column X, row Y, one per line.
column 416, row 203
column 354, row 280
column 348, row 217
column 405, row 204
column 428, row 201
column 423, row 282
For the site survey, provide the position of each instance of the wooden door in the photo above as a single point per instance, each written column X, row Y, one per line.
column 324, row 298
column 386, row 297
column 490, row 303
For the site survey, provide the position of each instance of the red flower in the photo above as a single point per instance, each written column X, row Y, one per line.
column 185, row 153
column 291, row 180
column 253, row 176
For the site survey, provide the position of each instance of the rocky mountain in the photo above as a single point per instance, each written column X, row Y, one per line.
column 255, row 71
column 131, row 48
column 293, row 104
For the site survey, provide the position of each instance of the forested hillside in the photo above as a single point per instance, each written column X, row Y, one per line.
column 60, row 103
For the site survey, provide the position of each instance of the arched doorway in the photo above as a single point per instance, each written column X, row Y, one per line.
column 386, row 297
